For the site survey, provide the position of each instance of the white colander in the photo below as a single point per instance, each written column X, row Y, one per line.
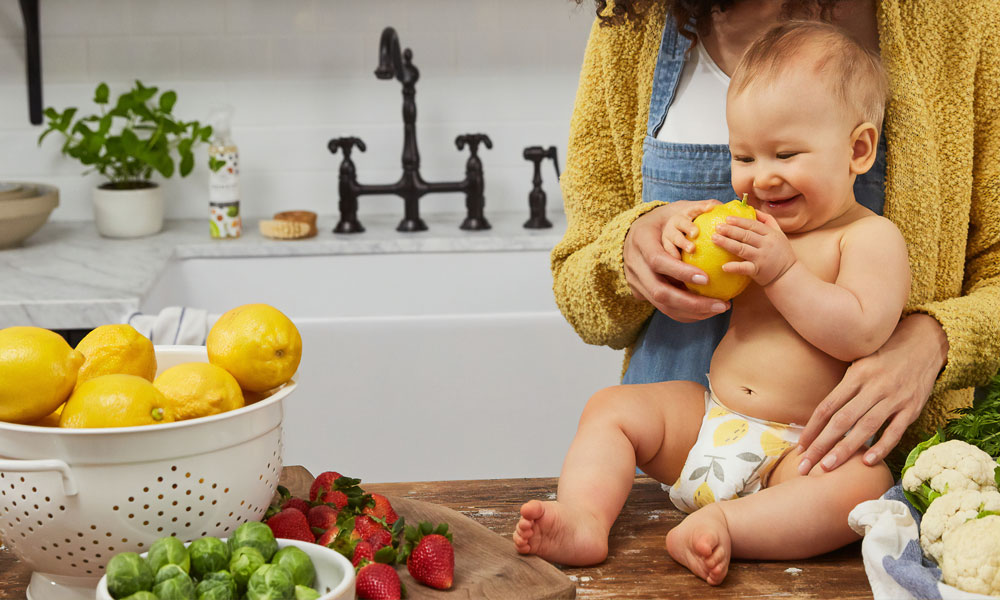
column 72, row 498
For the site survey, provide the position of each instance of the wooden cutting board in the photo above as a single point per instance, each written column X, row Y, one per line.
column 486, row 565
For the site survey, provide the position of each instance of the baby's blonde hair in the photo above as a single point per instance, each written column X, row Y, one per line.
column 855, row 75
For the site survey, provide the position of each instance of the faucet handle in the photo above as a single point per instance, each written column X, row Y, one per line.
column 473, row 140
column 345, row 144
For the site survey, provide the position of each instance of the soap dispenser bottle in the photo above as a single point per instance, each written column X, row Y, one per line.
column 224, row 180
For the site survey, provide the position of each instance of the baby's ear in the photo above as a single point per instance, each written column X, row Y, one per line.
column 864, row 144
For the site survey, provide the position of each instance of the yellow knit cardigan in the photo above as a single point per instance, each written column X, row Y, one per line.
column 942, row 184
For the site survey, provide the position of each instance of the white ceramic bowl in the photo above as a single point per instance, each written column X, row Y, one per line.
column 24, row 208
column 72, row 498
column 334, row 573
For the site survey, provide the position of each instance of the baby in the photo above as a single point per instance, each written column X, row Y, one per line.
column 830, row 279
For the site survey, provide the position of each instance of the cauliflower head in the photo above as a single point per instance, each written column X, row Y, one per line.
column 950, row 511
column 948, row 467
column 971, row 557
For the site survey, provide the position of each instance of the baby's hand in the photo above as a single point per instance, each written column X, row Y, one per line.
column 764, row 248
column 680, row 229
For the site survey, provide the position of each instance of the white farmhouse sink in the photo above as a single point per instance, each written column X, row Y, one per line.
column 416, row 366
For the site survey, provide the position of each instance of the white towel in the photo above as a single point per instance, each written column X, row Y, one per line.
column 894, row 562
column 174, row 325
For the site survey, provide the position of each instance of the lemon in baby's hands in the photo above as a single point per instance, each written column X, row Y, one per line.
column 115, row 401
column 37, row 372
column 199, row 389
column 116, row 349
column 709, row 258
column 257, row 344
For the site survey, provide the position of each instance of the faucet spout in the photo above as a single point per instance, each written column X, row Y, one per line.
column 395, row 63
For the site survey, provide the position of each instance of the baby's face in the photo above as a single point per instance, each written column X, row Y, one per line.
column 790, row 141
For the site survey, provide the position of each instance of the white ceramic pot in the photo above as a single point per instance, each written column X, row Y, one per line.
column 128, row 213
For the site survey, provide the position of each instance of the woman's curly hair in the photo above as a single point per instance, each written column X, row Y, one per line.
column 698, row 12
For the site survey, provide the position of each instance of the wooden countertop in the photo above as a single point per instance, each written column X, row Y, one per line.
column 638, row 565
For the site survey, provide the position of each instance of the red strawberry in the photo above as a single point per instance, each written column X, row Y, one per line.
column 382, row 509
column 296, row 503
column 327, row 537
column 362, row 551
column 366, row 526
column 430, row 557
column 324, row 482
column 379, row 539
column 378, row 581
column 335, row 497
column 291, row 524
column 322, row 516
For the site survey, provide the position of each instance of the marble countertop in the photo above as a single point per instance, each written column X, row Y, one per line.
column 66, row 276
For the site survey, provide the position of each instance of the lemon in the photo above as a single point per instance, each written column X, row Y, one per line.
column 258, row 344
column 50, row 420
column 116, row 401
column 199, row 389
column 116, row 349
column 37, row 372
column 730, row 432
column 709, row 258
column 703, row 496
column 772, row 445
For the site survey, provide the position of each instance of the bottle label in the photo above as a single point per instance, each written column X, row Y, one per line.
column 224, row 196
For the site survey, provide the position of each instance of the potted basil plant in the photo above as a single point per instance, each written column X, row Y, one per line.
column 127, row 143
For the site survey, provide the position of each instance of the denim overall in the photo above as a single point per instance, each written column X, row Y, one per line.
column 668, row 350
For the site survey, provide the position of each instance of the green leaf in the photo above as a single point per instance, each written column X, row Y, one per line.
column 66, row 118
column 386, row 555
column 51, row 113
column 187, row 163
column 922, row 498
column 165, row 165
column 215, row 163
column 101, row 94
column 698, row 473
column 167, row 100
column 987, row 513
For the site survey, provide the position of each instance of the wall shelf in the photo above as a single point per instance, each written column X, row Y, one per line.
column 33, row 59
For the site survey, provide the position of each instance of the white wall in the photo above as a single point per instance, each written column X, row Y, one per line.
column 300, row 72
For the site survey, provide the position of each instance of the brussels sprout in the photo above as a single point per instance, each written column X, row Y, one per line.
column 305, row 593
column 271, row 582
column 219, row 585
column 168, row 551
column 172, row 583
column 144, row 595
column 256, row 535
column 127, row 574
column 208, row 554
column 298, row 564
column 242, row 565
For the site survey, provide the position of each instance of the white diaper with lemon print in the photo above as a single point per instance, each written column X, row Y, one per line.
column 731, row 458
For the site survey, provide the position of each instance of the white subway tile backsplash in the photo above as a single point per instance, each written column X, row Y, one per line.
column 300, row 72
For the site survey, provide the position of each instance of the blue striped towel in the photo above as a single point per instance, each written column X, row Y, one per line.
column 172, row 326
column 894, row 561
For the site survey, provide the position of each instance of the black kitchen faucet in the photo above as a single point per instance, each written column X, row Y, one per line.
column 411, row 186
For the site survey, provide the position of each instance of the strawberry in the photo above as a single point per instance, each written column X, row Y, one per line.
column 362, row 551
column 430, row 557
column 378, row 581
column 322, row 516
column 296, row 503
column 366, row 526
column 327, row 537
column 381, row 509
column 335, row 497
column 379, row 539
column 325, row 481
column 291, row 524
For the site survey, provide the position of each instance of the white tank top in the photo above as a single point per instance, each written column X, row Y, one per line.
column 698, row 112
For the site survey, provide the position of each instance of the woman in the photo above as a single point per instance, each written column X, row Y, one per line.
column 648, row 138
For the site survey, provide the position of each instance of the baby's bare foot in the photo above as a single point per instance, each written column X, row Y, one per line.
column 560, row 533
column 702, row 544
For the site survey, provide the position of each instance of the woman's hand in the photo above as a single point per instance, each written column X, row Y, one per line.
column 890, row 386
column 653, row 267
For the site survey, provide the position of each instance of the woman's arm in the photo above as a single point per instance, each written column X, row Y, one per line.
column 605, row 286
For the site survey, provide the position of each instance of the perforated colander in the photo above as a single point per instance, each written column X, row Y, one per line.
column 72, row 498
